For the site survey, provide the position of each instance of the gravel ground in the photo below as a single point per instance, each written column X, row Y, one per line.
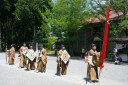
column 12, row 75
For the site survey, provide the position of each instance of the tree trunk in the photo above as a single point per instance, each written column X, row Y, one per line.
column 126, row 33
column 0, row 36
column 7, row 34
column 77, row 43
column 34, row 37
column 12, row 31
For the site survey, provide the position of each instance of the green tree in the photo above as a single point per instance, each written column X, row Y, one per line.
column 119, row 6
column 31, row 15
column 68, row 17
column 6, row 21
column 51, row 41
column 4, row 8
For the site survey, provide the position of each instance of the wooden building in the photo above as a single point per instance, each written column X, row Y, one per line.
column 94, row 33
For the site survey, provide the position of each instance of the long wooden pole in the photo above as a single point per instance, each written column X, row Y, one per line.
column 87, row 74
column 105, row 40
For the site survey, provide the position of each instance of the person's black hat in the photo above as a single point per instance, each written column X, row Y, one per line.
column 62, row 45
column 93, row 45
column 41, row 45
column 30, row 45
column 12, row 44
column 24, row 43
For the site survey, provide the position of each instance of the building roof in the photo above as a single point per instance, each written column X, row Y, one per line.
column 99, row 18
column 120, row 40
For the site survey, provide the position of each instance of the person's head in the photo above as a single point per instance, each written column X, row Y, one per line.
column 93, row 46
column 117, row 54
column 30, row 46
column 24, row 44
column 62, row 47
column 41, row 46
column 12, row 45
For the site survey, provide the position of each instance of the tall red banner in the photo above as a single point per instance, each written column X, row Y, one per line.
column 105, row 38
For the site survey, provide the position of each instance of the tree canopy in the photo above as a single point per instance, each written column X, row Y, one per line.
column 68, row 17
column 23, row 20
column 119, row 6
column 48, row 21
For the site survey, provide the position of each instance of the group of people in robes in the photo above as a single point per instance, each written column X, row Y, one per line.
column 61, row 66
column 41, row 59
column 25, row 61
column 30, row 65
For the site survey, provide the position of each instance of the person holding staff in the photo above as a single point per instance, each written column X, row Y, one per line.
column 61, row 66
column 42, row 59
column 11, row 55
column 22, row 55
column 92, row 68
column 30, row 64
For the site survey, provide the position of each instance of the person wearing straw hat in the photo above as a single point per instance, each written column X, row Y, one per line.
column 92, row 68
column 22, row 55
column 30, row 64
column 42, row 59
column 11, row 55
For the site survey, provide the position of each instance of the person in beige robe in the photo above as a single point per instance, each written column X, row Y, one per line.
column 92, row 68
column 61, row 66
column 42, row 60
column 22, row 55
column 11, row 55
column 30, row 64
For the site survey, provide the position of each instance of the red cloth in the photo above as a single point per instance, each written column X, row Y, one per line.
column 86, row 59
column 105, row 39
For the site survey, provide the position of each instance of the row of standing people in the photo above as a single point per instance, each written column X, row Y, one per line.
column 61, row 66
column 25, row 61
column 41, row 59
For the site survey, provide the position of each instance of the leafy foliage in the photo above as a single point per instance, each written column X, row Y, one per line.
column 119, row 6
column 33, row 13
column 68, row 17
column 19, row 18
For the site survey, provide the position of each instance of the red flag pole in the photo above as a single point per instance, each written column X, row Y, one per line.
column 105, row 40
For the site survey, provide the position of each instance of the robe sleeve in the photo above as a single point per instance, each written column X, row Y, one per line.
column 14, row 52
column 58, row 57
column 91, row 54
column 20, row 51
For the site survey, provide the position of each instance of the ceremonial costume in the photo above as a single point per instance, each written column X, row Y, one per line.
column 22, row 55
column 92, row 69
column 30, row 64
column 64, row 68
column 61, row 66
column 96, row 62
column 59, row 62
column 11, row 55
column 42, row 60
